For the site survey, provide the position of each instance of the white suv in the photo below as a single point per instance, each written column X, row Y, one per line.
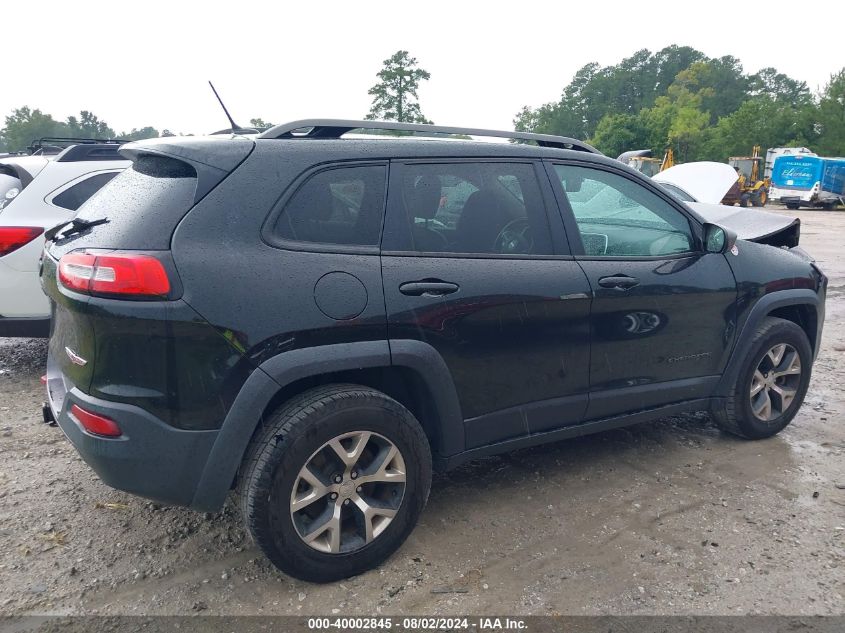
column 38, row 193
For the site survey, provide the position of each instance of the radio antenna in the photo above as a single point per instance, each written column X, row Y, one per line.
column 235, row 126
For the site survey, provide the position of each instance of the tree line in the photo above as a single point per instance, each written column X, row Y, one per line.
column 25, row 125
column 703, row 108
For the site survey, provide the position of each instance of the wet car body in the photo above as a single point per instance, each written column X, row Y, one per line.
column 532, row 349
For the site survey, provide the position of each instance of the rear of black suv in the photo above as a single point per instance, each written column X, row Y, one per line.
column 137, row 380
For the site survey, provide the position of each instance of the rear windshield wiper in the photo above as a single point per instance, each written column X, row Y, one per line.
column 77, row 225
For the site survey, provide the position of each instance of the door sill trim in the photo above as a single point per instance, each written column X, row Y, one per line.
column 587, row 428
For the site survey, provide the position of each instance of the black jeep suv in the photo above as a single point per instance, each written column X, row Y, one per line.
column 319, row 321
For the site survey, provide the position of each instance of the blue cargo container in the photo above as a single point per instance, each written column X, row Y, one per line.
column 807, row 180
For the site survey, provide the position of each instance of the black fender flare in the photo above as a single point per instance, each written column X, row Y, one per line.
column 429, row 365
column 286, row 368
column 765, row 305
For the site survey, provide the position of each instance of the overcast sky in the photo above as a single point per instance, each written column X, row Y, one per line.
column 137, row 63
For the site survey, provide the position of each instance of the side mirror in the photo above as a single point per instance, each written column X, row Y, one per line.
column 718, row 239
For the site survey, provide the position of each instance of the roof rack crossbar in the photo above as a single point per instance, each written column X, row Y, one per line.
column 75, row 141
column 335, row 128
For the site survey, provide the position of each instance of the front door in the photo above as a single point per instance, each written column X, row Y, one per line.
column 662, row 317
column 469, row 268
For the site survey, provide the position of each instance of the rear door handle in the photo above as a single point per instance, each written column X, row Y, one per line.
column 620, row 282
column 428, row 288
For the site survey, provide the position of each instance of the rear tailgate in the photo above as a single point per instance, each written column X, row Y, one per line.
column 72, row 345
column 137, row 211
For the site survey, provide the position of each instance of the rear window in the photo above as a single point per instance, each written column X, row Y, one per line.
column 74, row 197
column 143, row 204
column 341, row 205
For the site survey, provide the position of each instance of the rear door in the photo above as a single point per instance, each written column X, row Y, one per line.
column 470, row 267
column 663, row 310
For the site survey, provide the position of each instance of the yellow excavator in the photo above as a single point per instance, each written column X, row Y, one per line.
column 750, row 187
column 643, row 162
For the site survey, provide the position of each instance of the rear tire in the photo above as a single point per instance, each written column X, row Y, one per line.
column 345, row 466
column 760, row 404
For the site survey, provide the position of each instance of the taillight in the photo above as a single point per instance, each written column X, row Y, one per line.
column 96, row 424
column 119, row 274
column 13, row 237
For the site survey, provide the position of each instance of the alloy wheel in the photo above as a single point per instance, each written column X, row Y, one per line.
column 348, row 492
column 775, row 382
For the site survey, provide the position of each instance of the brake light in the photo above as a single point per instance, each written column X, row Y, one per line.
column 96, row 424
column 13, row 237
column 120, row 274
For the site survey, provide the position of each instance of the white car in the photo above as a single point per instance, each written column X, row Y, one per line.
column 702, row 185
column 36, row 194
column 16, row 172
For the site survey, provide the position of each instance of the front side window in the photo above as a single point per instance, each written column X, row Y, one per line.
column 618, row 217
column 485, row 208
column 341, row 205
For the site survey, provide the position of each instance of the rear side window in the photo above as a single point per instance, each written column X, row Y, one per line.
column 493, row 208
column 74, row 197
column 341, row 205
column 143, row 204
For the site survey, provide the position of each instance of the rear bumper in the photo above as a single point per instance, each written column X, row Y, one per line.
column 150, row 459
column 28, row 328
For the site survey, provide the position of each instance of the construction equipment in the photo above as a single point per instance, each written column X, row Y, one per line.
column 645, row 163
column 752, row 186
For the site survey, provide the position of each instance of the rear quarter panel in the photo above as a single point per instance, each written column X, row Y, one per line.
column 260, row 295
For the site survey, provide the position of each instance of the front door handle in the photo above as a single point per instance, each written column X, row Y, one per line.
column 620, row 282
column 428, row 288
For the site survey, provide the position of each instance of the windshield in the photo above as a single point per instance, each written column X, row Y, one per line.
column 744, row 166
column 676, row 191
column 647, row 166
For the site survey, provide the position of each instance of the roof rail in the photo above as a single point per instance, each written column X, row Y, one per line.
column 335, row 128
column 76, row 141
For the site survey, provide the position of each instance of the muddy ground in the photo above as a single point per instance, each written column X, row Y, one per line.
column 665, row 518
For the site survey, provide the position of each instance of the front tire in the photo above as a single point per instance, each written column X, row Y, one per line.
column 771, row 383
column 335, row 482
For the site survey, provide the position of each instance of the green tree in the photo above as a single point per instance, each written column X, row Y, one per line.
column 138, row 135
column 760, row 121
column 719, row 83
column 628, row 87
column 88, row 126
column 768, row 82
column 25, row 125
column 831, row 117
column 669, row 62
column 395, row 94
column 617, row 133
column 260, row 123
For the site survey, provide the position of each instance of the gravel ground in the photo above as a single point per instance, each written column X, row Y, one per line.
column 665, row 518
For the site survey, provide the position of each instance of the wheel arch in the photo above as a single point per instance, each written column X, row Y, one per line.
column 801, row 306
column 415, row 375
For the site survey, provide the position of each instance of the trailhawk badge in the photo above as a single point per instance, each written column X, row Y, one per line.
column 75, row 358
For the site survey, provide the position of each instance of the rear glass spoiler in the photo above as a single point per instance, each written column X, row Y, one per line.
column 212, row 158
